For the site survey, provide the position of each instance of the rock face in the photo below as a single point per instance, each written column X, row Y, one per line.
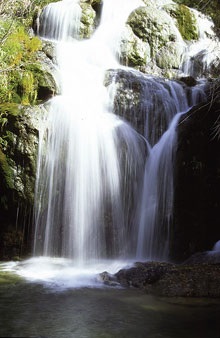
column 197, row 180
column 18, row 151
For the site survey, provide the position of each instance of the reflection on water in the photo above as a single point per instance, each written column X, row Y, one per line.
column 30, row 309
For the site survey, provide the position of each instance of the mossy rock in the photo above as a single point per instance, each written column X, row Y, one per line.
column 134, row 52
column 44, row 82
column 186, row 21
column 170, row 56
column 210, row 8
column 18, row 150
column 6, row 171
column 153, row 26
column 26, row 78
column 87, row 20
column 18, row 153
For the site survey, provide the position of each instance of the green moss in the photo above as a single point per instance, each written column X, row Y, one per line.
column 186, row 22
column 6, row 110
column 42, row 79
column 211, row 8
column 8, row 278
column 6, row 171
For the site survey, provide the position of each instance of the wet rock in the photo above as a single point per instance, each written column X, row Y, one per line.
column 18, row 153
column 197, row 180
column 155, row 27
column 87, row 20
column 207, row 257
column 142, row 274
column 172, row 280
column 108, row 279
column 189, row 281
column 188, row 80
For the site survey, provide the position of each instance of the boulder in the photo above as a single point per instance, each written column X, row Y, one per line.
column 154, row 27
column 172, row 280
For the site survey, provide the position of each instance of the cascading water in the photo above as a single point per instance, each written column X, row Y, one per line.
column 103, row 189
column 202, row 54
column 95, row 195
column 157, row 199
column 81, row 211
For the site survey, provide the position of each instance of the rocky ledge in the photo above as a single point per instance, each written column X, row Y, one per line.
column 197, row 277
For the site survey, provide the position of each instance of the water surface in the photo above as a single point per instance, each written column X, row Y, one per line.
column 36, row 309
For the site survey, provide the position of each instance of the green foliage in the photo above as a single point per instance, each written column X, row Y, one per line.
column 18, row 51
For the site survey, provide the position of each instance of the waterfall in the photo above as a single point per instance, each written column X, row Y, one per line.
column 156, row 211
column 103, row 190
column 60, row 20
column 91, row 162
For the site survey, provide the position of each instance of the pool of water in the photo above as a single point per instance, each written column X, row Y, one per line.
column 35, row 309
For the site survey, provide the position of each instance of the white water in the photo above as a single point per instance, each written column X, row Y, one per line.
column 97, row 196
column 60, row 20
column 91, row 166
column 158, row 190
column 59, row 274
column 157, row 199
column 81, row 209
column 201, row 54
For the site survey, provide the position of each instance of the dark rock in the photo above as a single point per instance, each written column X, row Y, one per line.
column 173, row 280
column 18, row 152
column 207, row 257
column 189, row 281
column 108, row 279
column 142, row 274
column 197, row 180
column 189, row 81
